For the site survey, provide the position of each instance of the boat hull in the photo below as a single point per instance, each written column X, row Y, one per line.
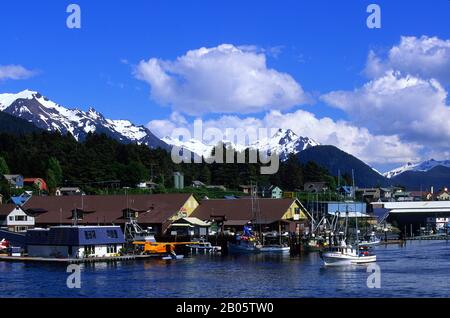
column 337, row 259
column 243, row 248
column 275, row 249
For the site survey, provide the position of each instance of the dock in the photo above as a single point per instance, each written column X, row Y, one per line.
column 30, row 259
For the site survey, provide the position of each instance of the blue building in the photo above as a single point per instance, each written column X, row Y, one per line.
column 14, row 180
column 74, row 241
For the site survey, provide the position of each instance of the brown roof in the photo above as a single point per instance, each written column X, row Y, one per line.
column 6, row 209
column 239, row 210
column 153, row 209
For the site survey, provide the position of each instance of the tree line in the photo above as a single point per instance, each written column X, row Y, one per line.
column 100, row 163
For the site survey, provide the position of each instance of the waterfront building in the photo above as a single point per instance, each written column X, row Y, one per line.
column 410, row 216
column 271, row 214
column 189, row 226
column 74, row 241
column 156, row 211
column 14, row 219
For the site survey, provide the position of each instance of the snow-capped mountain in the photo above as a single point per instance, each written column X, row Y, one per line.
column 45, row 114
column 421, row 166
column 283, row 142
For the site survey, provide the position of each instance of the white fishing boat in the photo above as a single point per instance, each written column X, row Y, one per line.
column 202, row 246
column 372, row 241
column 348, row 255
column 343, row 253
column 275, row 242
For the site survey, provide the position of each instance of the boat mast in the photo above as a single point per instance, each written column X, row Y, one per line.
column 356, row 213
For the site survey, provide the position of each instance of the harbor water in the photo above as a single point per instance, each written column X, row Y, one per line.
column 418, row 269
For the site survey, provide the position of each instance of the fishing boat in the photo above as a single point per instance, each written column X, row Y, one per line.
column 245, row 244
column 275, row 242
column 371, row 241
column 344, row 253
column 348, row 255
column 203, row 246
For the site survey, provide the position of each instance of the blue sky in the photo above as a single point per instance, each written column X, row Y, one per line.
column 322, row 45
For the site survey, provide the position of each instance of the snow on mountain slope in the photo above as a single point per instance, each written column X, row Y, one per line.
column 48, row 115
column 421, row 166
column 283, row 142
column 7, row 99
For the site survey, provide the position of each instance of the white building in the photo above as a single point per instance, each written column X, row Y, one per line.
column 15, row 219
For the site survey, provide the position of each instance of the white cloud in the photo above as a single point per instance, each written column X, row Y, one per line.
column 412, row 108
column 222, row 79
column 15, row 72
column 373, row 149
column 426, row 57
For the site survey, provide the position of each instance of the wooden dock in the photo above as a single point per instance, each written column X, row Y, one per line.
column 75, row 260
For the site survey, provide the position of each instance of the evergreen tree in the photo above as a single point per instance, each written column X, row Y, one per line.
column 55, row 167
column 4, row 169
column 51, row 181
column 205, row 175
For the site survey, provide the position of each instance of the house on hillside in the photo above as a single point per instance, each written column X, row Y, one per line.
column 443, row 195
column 15, row 180
column 346, row 191
column 369, row 194
column 14, row 219
column 147, row 185
column 155, row 211
column 39, row 183
column 198, row 184
column 247, row 189
column 270, row 191
column 418, row 195
column 21, row 199
column 315, row 187
column 289, row 215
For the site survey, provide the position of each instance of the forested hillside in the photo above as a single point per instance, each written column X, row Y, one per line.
column 100, row 163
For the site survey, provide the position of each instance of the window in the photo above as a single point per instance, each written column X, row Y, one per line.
column 111, row 233
column 11, row 218
column 89, row 235
column 21, row 229
column 89, row 250
column 21, row 218
column 111, row 249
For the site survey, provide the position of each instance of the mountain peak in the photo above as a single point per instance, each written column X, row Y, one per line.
column 48, row 115
column 7, row 99
column 419, row 166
